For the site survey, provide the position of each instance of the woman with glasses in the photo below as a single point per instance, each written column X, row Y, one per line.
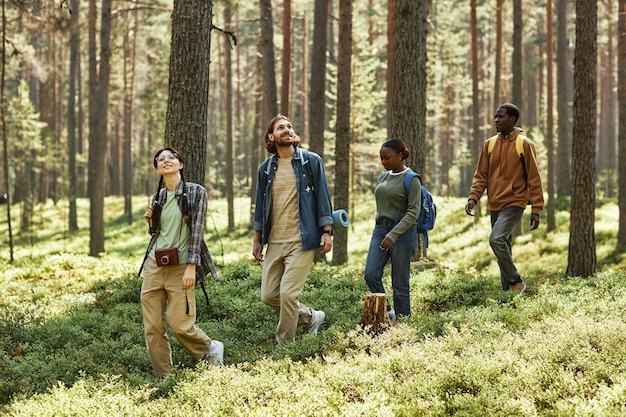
column 176, row 218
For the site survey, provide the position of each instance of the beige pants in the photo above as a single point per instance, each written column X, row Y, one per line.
column 285, row 271
column 162, row 292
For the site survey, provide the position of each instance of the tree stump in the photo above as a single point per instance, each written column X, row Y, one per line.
column 375, row 312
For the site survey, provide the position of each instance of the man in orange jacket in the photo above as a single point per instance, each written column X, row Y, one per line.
column 511, row 178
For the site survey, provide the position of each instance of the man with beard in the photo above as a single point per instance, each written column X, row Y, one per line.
column 293, row 217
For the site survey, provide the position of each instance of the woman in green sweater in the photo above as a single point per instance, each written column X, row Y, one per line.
column 395, row 233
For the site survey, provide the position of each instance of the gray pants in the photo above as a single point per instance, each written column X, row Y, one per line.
column 502, row 224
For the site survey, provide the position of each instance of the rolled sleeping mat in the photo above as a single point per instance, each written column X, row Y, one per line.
column 341, row 220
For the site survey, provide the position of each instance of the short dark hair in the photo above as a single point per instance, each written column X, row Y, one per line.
column 511, row 109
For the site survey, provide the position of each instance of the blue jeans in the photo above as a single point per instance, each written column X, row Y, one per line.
column 502, row 224
column 400, row 254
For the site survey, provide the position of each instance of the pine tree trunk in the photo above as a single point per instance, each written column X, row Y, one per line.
column 71, row 117
column 551, row 223
column 343, row 138
column 317, row 87
column 285, row 91
column 391, row 21
column 269, row 70
column 564, row 97
column 621, row 90
column 582, row 245
column 408, row 120
column 187, row 104
column 229, row 176
column 98, row 111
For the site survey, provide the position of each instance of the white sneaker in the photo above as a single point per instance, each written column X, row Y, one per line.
column 215, row 355
column 317, row 318
column 391, row 315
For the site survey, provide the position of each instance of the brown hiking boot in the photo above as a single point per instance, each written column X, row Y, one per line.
column 519, row 288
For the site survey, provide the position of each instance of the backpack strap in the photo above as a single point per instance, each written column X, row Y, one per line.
column 307, row 169
column 406, row 181
column 519, row 147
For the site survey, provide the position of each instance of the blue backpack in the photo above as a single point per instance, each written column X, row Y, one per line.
column 428, row 211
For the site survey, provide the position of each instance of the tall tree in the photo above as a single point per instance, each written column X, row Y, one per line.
column 607, row 142
column 5, row 146
column 621, row 91
column 343, row 136
column 563, row 98
column 71, row 116
column 98, row 117
column 391, row 19
column 408, row 120
column 269, row 69
column 517, row 72
column 498, row 57
column 517, row 67
column 476, row 132
column 258, row 150
column 305, row 78
column 317, row 86
column 581, row 260
column 188, row 100
column 285, row 91
column 551, row 225
column 130, row 59
column 230, row 174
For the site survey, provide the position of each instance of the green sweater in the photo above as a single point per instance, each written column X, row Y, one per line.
column 390, row 195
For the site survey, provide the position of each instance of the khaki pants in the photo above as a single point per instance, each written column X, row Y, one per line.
column 285, row 271
column 162, row 292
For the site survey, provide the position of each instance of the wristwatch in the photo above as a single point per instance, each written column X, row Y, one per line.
column 329, row 231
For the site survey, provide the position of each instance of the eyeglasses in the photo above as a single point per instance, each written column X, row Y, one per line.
column 164, row 158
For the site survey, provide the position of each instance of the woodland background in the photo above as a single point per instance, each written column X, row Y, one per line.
column 88, row 92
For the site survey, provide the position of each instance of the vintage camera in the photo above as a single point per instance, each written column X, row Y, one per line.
column 166, row 257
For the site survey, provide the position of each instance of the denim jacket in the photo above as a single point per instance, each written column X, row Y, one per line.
column 314, row 207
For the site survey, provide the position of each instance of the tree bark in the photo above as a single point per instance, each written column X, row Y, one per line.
column 408, row 120
column 375, row 312
column 582, row 245
column 129, row 110
column 98, row 118
column 187, row 104
column 391, row 21
column 621, row 91
column 285, row 91
column 343, row 138
column 551, row 224
column 498, row 62
column 409, row 91
column 230, row 174
column 71, row 117
column 517, row 67
column 476, row 132
column 317, row 87
column 564, row 98
column 269, row 69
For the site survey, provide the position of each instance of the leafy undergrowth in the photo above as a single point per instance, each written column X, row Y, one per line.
column 71, row 336
column 469, row 349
